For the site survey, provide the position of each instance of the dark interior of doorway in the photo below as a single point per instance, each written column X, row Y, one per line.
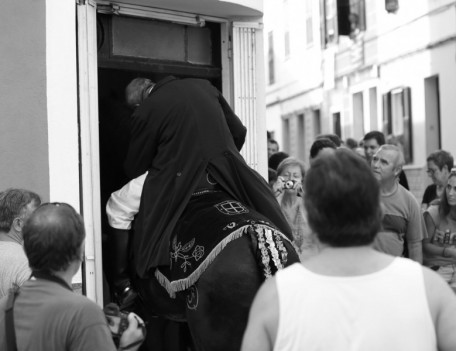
column 114, row 115
column 114, row 137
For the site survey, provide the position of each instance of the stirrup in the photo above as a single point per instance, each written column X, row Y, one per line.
column 126, row 299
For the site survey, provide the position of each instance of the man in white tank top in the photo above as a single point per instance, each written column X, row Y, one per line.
column 350, row 297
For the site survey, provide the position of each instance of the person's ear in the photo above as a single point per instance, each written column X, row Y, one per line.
column 18, row 223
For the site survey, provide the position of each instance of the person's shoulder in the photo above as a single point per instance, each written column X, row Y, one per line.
column 265, row 304
column 291, row 269
column 82, row 301
column 13, row 254
column 437, row 289
column 84, row 308
column 430, row 188
column 10, row 246
column 407, row 194
column 433, row 210
column 438, row 292
column 403, row 191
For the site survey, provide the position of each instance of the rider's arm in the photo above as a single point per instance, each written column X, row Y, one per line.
column 261, row 330
column 123, row 204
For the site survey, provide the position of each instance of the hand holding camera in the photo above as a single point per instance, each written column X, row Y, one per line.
column 289, row 184
column 286, row 184
column 127, row 329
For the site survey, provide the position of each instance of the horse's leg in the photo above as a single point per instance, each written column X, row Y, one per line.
column 219, row 303
column 154, row 300
column 166, row 326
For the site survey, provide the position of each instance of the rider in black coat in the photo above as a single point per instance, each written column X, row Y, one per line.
column 182, row 131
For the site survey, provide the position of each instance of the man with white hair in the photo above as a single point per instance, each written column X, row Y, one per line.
column 16, row 206
column 402, row 221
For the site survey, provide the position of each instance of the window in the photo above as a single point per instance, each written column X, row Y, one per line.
column 341, row 17
column 358, row 114
column 287, row 44
column 432, row 114
column 337, row 128
column 373, row 108
column 316, row 122
column 351, row 16
column 301, row 137
column 286, row 33
column 271, row 58
column 309, row 24
column 391, row 5
column 357, row 16
column 328, row 21
column 286, row 134
column 397, row 119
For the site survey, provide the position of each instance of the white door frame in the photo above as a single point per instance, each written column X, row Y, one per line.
column 89, row 145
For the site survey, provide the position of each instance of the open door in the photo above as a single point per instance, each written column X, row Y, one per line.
column 247, row 82
column 89, row 143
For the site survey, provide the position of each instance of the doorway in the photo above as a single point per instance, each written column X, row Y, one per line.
column 432, row 113
column 128, row 48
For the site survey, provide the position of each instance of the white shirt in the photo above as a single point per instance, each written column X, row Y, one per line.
column 123, row 204
column 14, row 267
column 385, row 310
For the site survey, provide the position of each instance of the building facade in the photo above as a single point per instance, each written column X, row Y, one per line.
column 63, row 68
column 351, row 66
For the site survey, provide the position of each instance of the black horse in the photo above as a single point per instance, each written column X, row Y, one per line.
column 215, row 298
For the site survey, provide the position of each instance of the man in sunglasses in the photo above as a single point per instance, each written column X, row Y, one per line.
column 439, row 165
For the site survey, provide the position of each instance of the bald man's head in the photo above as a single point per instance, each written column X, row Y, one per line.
column 137, row 91
column 53, row 237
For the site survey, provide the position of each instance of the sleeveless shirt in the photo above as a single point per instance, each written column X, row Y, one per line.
column 385, row 310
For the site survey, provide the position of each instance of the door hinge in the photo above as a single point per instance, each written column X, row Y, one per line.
column 230, row 48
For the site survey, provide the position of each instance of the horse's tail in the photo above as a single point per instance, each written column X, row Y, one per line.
column 270, row 248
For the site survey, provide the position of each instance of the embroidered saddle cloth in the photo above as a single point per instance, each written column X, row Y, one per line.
column 210, row 221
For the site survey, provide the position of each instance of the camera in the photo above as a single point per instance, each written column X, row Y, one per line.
column 289, row 184
column 117, row 320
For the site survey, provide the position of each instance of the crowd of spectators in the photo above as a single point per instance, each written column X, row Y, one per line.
column 407, row 229
column 368, row 251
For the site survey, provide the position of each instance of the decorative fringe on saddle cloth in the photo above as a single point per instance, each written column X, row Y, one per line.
column 209, row 223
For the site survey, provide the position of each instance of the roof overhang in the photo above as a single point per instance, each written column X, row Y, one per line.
column 228, row 9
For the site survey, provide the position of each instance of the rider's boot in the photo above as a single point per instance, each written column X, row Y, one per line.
column 124, row 294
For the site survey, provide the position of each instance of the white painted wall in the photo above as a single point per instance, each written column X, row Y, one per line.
column 298, row 77
column 61, row 94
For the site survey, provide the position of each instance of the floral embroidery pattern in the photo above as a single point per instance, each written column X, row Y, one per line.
column 182, row 252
